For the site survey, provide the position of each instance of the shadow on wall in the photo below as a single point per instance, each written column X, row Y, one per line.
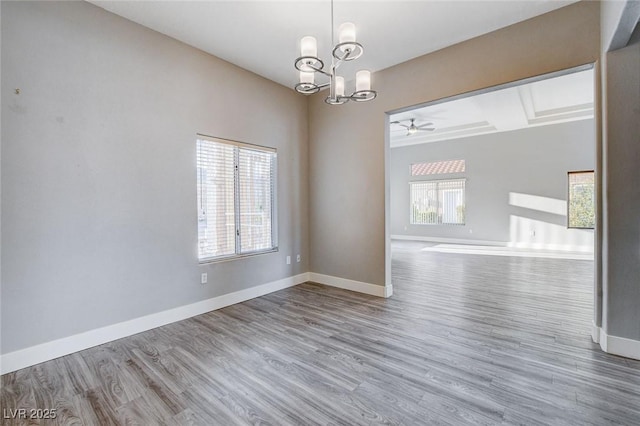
column 545, row 225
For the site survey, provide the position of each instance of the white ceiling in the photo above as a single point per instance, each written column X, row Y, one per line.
column 551, row 101
column 263, row 36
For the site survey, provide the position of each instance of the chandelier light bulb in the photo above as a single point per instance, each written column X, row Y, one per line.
column 307, row 77
column 363, row 80
column 347, row 33
column 339, row 86
column 309, row 46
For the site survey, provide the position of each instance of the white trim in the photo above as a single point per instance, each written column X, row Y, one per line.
column 449, row 240
column 602, row 339
column 346, row 284
column 615, row 345
column 47, row 351
column 595, row 332
column 388, row 291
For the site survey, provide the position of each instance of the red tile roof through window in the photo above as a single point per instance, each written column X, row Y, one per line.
column 438, row 168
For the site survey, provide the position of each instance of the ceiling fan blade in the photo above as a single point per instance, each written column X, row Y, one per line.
column 424, row 125
column 402, row 125
column 427, row 129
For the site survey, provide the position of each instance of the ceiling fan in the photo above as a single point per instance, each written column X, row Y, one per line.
column 412, row 128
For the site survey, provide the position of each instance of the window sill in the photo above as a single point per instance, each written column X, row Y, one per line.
column 235, row 256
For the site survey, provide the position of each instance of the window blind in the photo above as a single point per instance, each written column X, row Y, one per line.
column 437, row 202
column 255, row 193
column 236, row 190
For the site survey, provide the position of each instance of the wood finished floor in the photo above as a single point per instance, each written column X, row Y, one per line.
column 465, row 339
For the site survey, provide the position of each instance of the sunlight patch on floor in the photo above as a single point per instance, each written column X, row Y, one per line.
column 507, row 251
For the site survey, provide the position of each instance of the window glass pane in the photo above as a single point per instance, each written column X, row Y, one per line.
column 424, row 203
column 438, row 202
column 582, row 199
column 215, row 185
column 236, row 198
column 255, row 198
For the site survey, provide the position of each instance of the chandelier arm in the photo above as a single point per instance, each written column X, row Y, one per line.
column 347, row 51
column 306, row 63
column 320, row 70
column 338, row 62
column 363, row 95
column 344, row 58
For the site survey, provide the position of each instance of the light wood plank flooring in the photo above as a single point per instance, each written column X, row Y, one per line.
column 465, row 339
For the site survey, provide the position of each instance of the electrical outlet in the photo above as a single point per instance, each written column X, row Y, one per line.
column 288, row 260
column 298, row 258
column 203, row 278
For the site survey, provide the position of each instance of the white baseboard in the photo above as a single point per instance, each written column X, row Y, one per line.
column 595, row 332
column 22, row 358
column 615, row 345
column 346, row 284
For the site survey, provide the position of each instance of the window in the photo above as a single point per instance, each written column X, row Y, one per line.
column 437, row 202
column 236, row 199
column 582, row 198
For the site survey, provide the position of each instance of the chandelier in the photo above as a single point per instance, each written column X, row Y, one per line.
column 347, row 49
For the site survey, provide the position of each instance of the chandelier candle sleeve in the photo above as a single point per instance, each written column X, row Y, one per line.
column 306, row 77
column 347, row 33
column 309, row 46
column 363, row 80
column 339, row 86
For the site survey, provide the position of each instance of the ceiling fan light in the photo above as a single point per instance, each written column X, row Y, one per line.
column 412, row 130
column 308, row 46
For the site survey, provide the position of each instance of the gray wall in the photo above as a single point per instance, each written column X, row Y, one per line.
column 347, row 144
column 532, row 161
column 98, row 170
column 621, row 284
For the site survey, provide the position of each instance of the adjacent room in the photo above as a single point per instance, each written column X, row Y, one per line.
column 512, row 168
column 319, row 212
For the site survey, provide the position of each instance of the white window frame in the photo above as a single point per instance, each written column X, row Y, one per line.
column 439, row 216
column 237, row 146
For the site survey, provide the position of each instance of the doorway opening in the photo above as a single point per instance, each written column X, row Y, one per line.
column 493, row 194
